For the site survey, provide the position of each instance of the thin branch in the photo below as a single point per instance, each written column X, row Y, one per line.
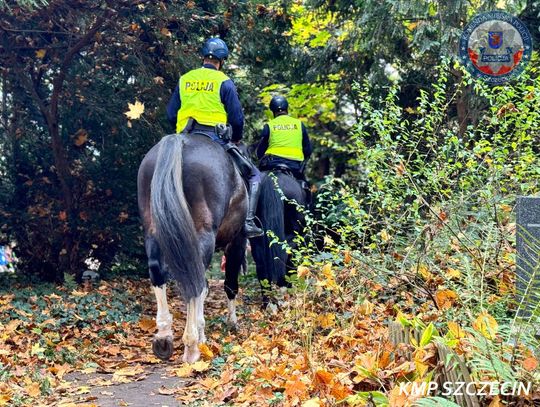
column 13, row 30
column 445, row 224
column 59, row 80
column 30, row 87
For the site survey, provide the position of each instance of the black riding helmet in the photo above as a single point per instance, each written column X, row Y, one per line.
column 279, row 104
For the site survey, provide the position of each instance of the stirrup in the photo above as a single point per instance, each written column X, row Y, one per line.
column 252, row 230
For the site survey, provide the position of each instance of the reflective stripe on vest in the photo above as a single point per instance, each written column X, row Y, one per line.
column 286, row 138
column 200, row 98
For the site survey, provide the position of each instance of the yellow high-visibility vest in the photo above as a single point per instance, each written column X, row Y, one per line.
column 285, row 138
column 200, row 98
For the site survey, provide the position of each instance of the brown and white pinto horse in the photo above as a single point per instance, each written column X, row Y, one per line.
column 192, row 200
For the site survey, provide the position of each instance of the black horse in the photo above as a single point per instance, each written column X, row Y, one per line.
column 278, row 213
column 192, row 200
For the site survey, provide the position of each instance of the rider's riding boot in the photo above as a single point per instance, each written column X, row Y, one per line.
column 246, row 169
column 252, row 230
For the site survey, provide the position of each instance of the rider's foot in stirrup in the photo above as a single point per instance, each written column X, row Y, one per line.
column 252, row 230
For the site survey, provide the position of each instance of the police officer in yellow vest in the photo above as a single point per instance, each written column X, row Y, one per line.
column 284, row 140
column 206, row 98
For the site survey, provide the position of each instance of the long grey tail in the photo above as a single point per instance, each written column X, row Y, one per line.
column 174, row 228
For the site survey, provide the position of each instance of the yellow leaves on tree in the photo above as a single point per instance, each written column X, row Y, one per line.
column 486, row 325
column 135, row 110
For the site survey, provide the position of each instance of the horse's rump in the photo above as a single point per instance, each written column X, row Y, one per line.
column 193, row 185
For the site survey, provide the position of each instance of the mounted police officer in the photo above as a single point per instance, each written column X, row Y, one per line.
column 206, row 101
column 284, row 141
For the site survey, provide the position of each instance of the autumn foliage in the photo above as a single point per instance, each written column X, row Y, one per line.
column 415, row 172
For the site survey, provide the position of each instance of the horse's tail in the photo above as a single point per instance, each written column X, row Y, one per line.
column 271, row 207
column 172, row 221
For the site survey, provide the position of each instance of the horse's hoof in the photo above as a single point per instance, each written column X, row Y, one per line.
column 232, row 322
column 272, row 308
column 163, row 347
column 191, row 354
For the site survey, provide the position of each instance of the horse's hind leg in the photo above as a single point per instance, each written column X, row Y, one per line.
column 192, row 333
column 195, row 323
column 207, row 245
column 200, row 316
column 235, row 254
column 162, row 345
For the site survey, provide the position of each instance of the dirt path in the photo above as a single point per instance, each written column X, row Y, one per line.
column 134, row 379
column 155, row 388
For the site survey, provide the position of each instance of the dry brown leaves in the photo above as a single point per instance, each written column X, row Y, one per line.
column 323, row 345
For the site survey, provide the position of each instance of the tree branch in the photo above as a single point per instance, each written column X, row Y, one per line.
column 31, row 88
column 85, row 40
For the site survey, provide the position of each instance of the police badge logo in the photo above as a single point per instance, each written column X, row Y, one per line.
column 495, row 39
column 495, row 46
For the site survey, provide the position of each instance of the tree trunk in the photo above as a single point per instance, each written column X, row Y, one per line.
column 68, row 256
column 463, row 114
